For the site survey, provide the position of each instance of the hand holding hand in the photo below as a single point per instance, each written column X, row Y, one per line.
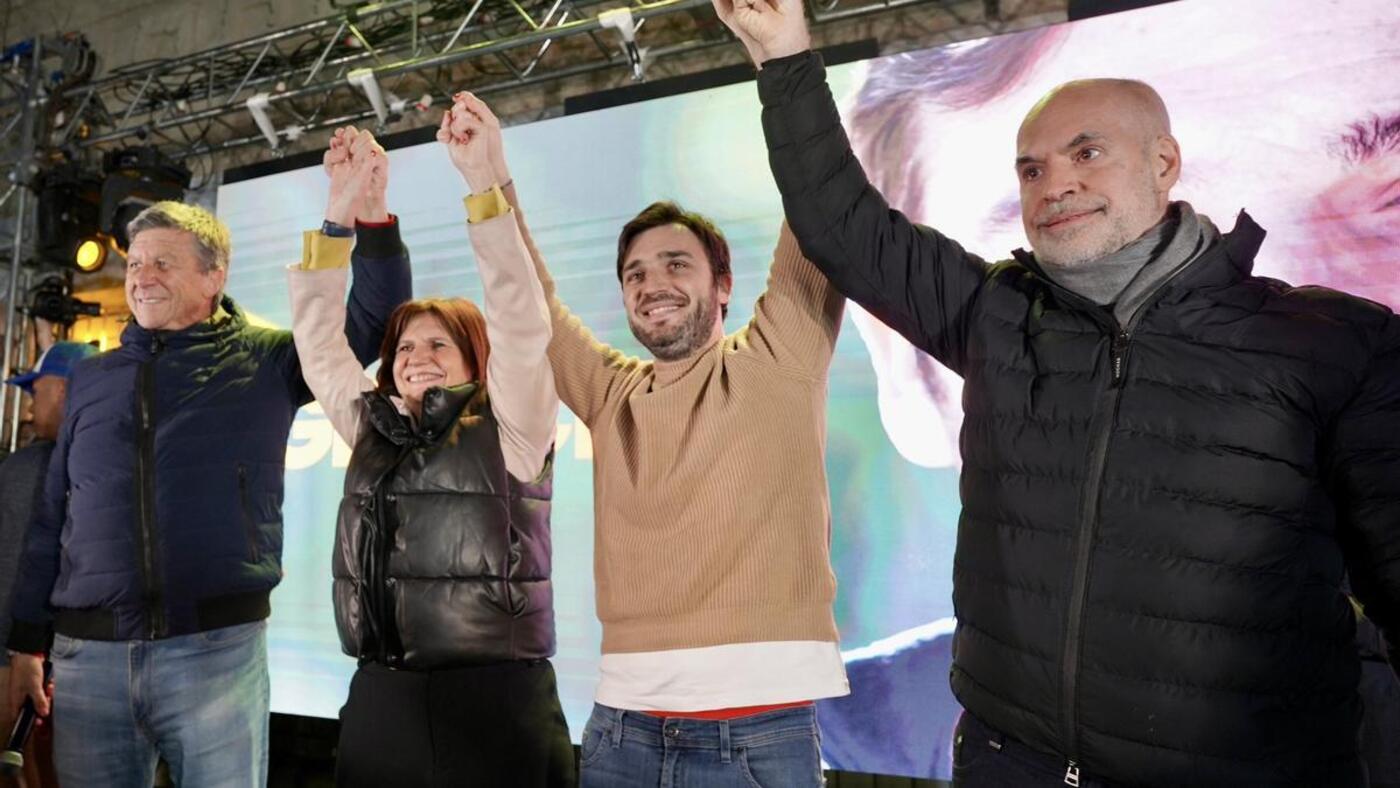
column 472, row 134
column 376, row 186
column 768, row 29
column 359, row 173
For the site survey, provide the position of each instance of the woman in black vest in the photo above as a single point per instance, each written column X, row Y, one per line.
column 442, row 556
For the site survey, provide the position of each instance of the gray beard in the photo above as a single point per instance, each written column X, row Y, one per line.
column 684, row 339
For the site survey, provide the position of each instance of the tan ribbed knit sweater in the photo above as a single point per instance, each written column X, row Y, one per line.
column 712, row 521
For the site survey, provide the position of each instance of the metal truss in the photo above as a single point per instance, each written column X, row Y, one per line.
column 382, row 61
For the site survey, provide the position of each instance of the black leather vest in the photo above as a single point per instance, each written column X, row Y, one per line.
column 442, row 557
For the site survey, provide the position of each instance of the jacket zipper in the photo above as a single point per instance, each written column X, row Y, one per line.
column 1105, row 415
column 250, row 526
column 389, row 651
column 156, row 625
column 1101, row 428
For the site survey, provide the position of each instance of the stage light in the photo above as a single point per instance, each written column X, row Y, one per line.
column 67, row 215
column 257, row 107
column 621, row 20
column 136, row 179
column 364, row 80
column 91, row 255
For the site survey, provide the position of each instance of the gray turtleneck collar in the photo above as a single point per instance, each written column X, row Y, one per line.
column 1127, row 278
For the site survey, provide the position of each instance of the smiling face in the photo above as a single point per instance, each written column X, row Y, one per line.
column 167, row 286
column 1095, row 162
column 427, row 356
column 673, row 300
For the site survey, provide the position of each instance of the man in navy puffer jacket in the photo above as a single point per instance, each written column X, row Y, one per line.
column 158, row 537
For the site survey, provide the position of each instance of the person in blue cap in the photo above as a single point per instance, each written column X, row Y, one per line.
column 22, row 473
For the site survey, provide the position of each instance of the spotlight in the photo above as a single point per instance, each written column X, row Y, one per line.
column 69, row 200
column 91, row 254
column 257, row 107
column 364, row 80
column 621, row 20
column 136, row 179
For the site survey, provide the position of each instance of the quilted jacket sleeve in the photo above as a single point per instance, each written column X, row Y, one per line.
column 913, row 278
column 1364, row 466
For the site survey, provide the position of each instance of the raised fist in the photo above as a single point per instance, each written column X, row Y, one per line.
column 472, row 135
column 768, row 29
column 359, row 173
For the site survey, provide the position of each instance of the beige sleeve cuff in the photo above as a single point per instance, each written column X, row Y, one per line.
column 320, row 251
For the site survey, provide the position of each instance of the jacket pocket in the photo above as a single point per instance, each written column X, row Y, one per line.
column 245, row 505
column 515, row 602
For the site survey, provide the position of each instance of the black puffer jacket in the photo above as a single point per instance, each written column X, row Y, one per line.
column 442, row 558
column 1156, row 518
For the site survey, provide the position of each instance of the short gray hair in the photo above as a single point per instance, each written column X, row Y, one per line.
column 210, row 235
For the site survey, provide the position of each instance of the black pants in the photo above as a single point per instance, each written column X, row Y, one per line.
column 493, row 725
column 985, row 758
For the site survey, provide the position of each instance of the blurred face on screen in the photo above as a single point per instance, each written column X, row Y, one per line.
column 672, row 297
column 1351, row 230
column 1094, row 161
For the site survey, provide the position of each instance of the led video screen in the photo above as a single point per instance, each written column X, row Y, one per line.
column 1286, row 108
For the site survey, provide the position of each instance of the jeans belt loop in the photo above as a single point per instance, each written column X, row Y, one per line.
column 724, row 741
column 618, row 714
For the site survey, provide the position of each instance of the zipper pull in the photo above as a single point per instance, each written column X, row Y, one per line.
column 1072, row 775
column 1117, row 354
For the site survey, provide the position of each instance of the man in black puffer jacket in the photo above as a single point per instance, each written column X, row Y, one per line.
column 1169, row 463
column 158, row 538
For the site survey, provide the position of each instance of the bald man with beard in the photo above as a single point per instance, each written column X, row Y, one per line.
column 1169, row 464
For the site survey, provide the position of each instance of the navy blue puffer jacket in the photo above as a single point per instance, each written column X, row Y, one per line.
column 162, row 509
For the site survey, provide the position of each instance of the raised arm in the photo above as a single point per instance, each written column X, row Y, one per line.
column 798, row 317
column 359, row 174
column 518, row 380
column 911, row 277
column 382, row 276
column 585, row 370
column 329, row 366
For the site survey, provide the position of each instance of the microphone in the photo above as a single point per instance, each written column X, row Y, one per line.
column 12, row 759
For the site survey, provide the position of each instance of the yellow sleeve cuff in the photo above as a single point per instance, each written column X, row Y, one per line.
column 320, row 251
column 487, row 205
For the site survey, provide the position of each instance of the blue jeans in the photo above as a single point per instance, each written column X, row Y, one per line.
column 629, row 749
column 198, row 701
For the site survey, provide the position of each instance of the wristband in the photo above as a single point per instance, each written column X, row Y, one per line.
column 330, row 228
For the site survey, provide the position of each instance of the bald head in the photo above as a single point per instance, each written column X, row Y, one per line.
column 1136, row 103
column 1096, row 161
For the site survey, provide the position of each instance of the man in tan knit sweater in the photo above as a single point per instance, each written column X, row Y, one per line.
column 712, row 521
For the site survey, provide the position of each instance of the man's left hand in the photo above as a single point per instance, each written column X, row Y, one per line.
column 359, row 173
column 768, row 29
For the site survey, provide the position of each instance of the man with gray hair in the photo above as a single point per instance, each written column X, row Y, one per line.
column 1169, row 463
column 148, row 566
